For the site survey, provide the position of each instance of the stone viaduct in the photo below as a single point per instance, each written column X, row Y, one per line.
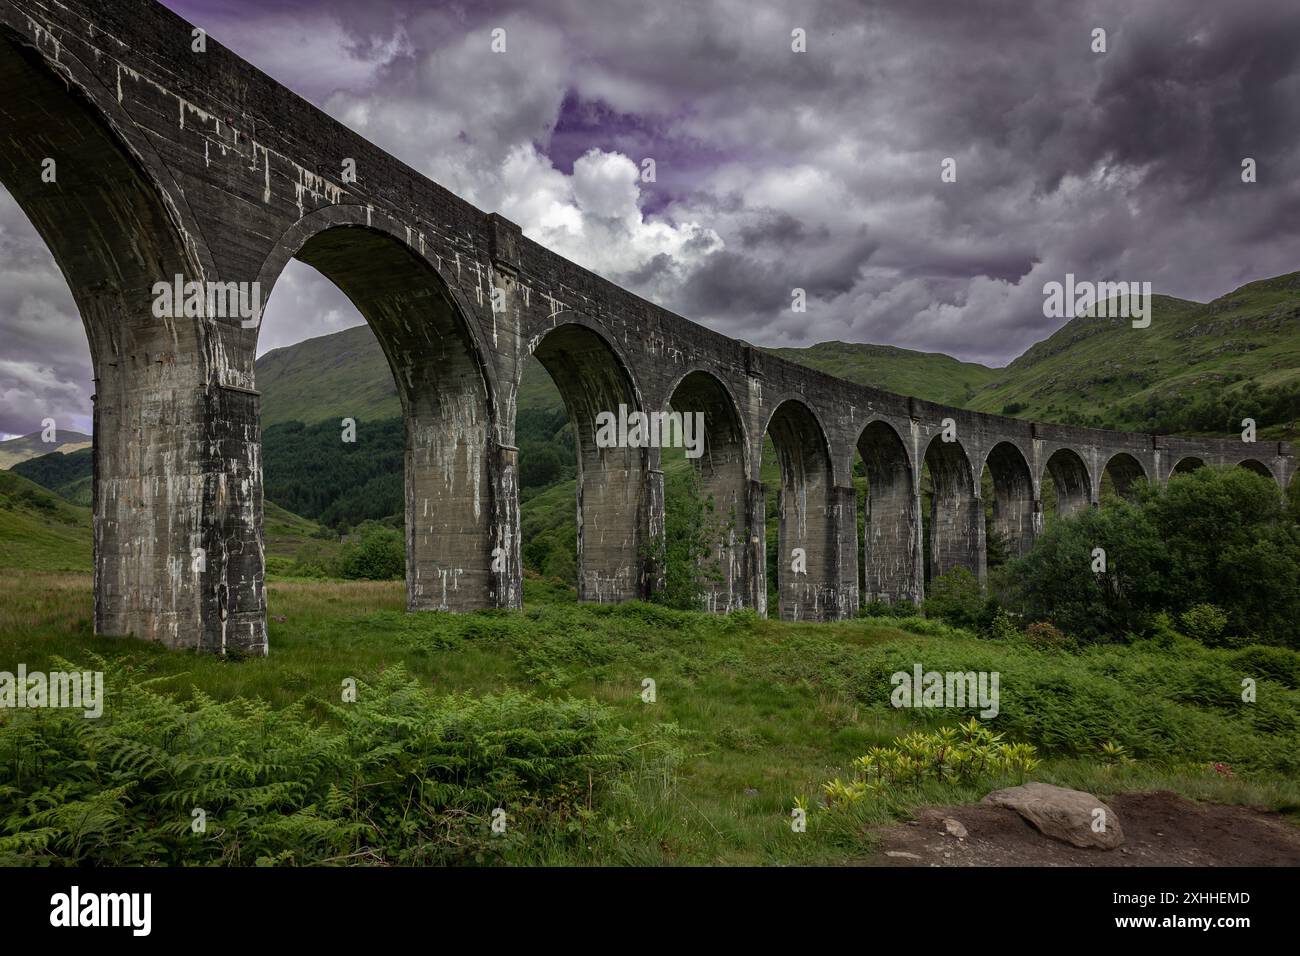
column 175, row 162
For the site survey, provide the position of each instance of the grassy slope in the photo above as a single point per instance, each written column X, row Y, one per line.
column 39, row 529
column 1092, row 363
column 345, row 374
column 30, row 446
column 66, row 473
column 286, row 533
column 928, row 375
column 761, row 712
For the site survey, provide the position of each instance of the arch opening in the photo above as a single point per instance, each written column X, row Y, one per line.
column 618, row 497
column 1070, row 484
column 891, row 518
column 456, row 504
column 1186, row 465
column 955, row 519
column 1122, row 474
column 1258, row 467
column 706, row 482
column 806, row 546
column 1012, row 517
column 107, row 220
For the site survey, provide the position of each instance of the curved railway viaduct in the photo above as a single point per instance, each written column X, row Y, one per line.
column 175, row 162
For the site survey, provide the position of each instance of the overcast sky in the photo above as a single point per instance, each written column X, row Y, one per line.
column 776, row 169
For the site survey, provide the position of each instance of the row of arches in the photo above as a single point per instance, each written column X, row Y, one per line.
column 177, row 428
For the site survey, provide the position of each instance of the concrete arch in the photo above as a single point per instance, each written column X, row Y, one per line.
column 1070, row 479
column 619, row 499
column 956, row 524
column 1125, row 472
column 22, row 37
column 892, row 558
column 817, row 429
column 1016, row 515
column 1186, row 465
column 116, row 224
column 366, row 221
column 721, row 473
column 721, row 405
column 1258, row 467
column 807, row 542
column 458, row 525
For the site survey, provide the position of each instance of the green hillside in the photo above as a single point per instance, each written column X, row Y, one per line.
column 1105, row 372
column 345, row 375
column 31, row 446
column 67, row 473
column 929, row 375
column 42, row 531
column 39, row 530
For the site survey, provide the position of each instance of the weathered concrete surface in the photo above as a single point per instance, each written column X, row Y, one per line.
column 175, row 162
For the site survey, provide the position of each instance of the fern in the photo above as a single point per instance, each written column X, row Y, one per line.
column 402, row 776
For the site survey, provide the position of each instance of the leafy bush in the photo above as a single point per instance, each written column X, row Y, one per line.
column 958, row 599
column 1046, row 634
column 1214, row 537
column 1205, row 623
column 1056, row 582
column 402, row 776
column 380, row 555
column 1231, row 543
column 964, row 754
column 694, row 534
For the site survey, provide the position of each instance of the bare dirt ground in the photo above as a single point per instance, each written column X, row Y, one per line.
column 1160, row 828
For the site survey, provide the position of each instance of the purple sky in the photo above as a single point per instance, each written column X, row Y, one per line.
column 778, row 169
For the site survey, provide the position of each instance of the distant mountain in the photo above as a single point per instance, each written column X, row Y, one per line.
column 30, row 446
column 345, row 374
column 929, row 375
column 66, row 473
column 1243, row 347
column 39, row 530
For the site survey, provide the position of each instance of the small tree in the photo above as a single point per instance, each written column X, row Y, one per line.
column 956, row 597
column 380, row 555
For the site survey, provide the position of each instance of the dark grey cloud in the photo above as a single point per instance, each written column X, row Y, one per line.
column 778, row 170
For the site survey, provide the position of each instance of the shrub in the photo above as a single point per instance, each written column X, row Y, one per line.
column 1231, row 543
column 1046, row 634
column 957, row 598
column 1056, row 582
column 1204, row 623
column 380, row 555
column 402, row 776
column 964, row 754
column 694, row 532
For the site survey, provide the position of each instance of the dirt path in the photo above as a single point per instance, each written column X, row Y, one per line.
column 1160, row 828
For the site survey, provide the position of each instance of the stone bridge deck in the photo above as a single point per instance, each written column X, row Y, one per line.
column 176, row 162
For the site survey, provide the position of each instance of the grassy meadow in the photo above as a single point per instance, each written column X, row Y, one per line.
column 749, row 717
